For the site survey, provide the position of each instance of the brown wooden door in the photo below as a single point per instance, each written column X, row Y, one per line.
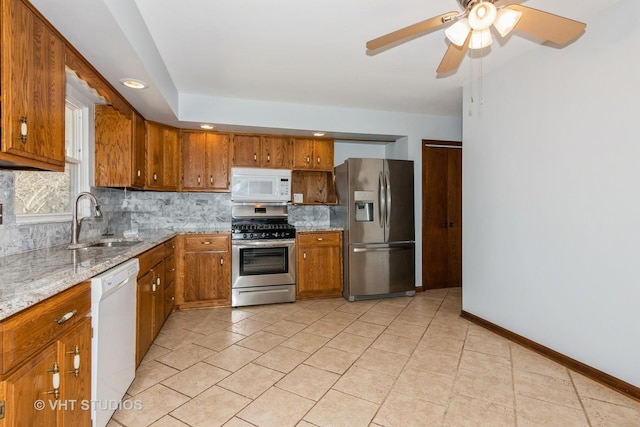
column 139, row 157
column 206, row 276
column 113, row 148
column 170, row 159
column 217, row 161
column 33, row 88
column 323, row 154
column 276, row 152
column 441, row 215
column 144, row 315
column 28, row 385
column 154, row 156
column 193, row 160
column 246, row 150
column 76, row 385
column 302, row 153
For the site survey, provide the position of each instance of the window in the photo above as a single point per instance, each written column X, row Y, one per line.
column 48, row 196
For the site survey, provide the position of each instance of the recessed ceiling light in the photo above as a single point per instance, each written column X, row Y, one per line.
column 134, row 83
column 207, row 127
column 318, row 134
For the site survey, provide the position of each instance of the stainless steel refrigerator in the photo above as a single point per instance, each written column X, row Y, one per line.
column 376, row 210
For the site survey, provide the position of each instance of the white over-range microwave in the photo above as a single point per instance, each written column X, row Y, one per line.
column 260, row 185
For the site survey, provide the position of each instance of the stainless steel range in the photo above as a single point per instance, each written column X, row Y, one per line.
column 263, row 255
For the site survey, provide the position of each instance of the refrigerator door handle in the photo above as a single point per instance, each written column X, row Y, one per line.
column 382, row 200
column 383, row 249
column 387, row 181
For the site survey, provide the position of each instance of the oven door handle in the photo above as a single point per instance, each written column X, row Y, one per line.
column 262, row 243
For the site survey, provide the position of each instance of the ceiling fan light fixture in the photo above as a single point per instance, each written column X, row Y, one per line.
column 458, row 32
column 506, row 20
column 482, row 15
column 480, row 39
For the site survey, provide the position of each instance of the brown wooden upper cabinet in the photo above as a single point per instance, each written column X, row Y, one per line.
column 162, row 157
column 33, row 90
column 313, row 154
column 264, row 151
column 205, row 161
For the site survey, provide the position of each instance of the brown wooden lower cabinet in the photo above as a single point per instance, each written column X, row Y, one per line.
column 319, row 264
column 153, row 308
column 35, row 347
column 204, row 266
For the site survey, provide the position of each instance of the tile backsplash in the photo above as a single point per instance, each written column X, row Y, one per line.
column 133, row 210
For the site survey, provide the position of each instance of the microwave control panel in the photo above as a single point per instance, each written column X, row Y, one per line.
column 285, row 188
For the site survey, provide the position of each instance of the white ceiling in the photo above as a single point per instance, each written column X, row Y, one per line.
column 294, row 51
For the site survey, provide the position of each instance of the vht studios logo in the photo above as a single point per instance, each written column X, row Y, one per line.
column 87, row 405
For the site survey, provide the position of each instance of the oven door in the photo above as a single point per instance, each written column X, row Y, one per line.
column 263, row 263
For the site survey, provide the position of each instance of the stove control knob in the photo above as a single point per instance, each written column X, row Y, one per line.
column 244, row 236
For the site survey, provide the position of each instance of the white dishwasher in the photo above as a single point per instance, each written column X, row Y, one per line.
column 113, row 346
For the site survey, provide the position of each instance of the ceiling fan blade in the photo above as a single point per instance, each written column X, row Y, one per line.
column 453, row 57
column 411, row 30
column 548, row 26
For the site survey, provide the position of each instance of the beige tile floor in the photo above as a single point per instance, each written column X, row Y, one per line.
column 389, row 362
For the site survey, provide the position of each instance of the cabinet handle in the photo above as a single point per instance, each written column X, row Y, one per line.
column 255, row 157
column 318, row 159
column 199, row 180
column 171, row 299
column 55, row 380
column 66, row 317
column 76, row 362
column 320, row 239
column 268, row 157
column 206, row 242
column 211, row 179
column 23, row 129
column 139, row 173
column 172, row 270
column 153, row 288
column 221, row 261
column 308, row 159
column 158, row 280
column 155, row 177
column 304, row 255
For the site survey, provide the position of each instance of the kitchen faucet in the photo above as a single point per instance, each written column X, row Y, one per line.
column 74, row 221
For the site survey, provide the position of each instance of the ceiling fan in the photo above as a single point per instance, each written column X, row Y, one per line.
column 472, row 28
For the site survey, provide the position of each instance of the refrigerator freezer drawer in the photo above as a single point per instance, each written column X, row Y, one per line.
column 380, row 270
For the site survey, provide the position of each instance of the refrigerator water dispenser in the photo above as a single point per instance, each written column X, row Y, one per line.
column 363, row 206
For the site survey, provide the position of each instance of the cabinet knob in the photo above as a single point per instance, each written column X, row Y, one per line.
column 23, row 129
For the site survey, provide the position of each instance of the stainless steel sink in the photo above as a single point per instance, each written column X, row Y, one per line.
column 105, row 244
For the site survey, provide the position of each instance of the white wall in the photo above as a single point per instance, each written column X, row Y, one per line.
column 414, row 127
column 551, row 199
column 372, row 150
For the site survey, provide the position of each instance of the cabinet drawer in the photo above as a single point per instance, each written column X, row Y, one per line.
column 319, row 238
column 206, row 242
column 169, row 247
column 150, row 258
column 29, row 330
column 169, row 270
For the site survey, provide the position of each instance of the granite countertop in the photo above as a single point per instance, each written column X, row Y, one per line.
column 311, row 228
column 30, row 277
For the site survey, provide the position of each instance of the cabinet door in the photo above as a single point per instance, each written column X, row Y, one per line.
column 320, row 271
column 154, row 155
column 207, row 276
column 113, row 148
column 276, row 152
column 323, row 154
column 217, row 161
column 33, row 89
column 302, row 153
column 139, row 156
column 29, row 384
column 246, row 150
column 144, row 315
column 193, row 160
column 76, row 384
column 170, row 159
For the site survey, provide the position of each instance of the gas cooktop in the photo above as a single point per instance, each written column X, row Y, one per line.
column 262, row 231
